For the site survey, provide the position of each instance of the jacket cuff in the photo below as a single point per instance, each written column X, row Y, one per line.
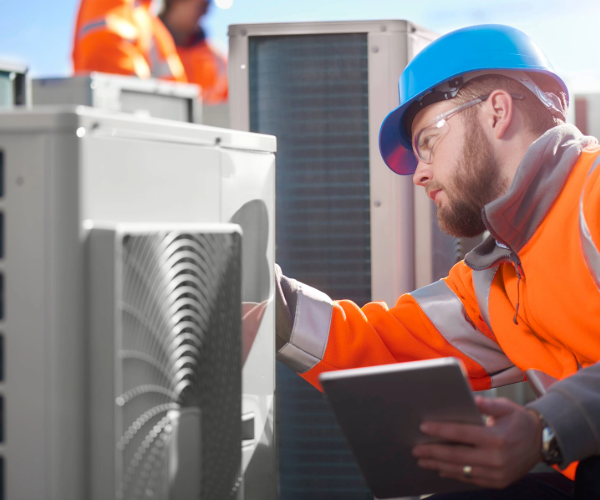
column 304, row 346
column 574, row 434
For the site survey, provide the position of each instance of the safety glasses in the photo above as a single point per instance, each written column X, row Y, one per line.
column 434, row 130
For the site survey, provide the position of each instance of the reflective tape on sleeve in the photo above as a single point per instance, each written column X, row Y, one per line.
column 159, row 66
column 94, row 25
column 482, row 283
column 591, row 254
column 447, row 313
column 310, row 332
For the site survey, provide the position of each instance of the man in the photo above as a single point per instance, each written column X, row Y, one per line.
column 203, row 64
column 124, row 37
column 481, row 127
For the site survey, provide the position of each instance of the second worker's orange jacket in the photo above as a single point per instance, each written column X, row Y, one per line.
column 527, row 298
column 124, row 37
column 203, row 65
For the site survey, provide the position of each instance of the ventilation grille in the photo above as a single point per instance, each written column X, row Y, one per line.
column 311, row 91
column 180, row 356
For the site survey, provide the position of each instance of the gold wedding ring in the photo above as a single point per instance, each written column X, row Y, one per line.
column 467, row 471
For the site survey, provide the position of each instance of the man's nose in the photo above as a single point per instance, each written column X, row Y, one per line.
column 423, row 174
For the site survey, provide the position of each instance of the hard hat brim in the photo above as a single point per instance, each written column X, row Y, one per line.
column 395, row 154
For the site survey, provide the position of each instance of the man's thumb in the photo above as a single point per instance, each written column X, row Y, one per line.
column 495, row 407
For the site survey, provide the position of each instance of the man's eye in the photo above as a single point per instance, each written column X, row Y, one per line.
column 426, row 142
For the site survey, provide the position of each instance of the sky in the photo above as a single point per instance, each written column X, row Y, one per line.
column 39, row 33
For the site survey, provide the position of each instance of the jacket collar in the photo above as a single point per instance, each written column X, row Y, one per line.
column 513, row 218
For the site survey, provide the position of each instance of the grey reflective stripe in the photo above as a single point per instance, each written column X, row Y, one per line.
column 447, row 313
column 310, row 331
column 482, row 283
column 159, row 67
column 511, row 375
column 91, row 26
column 591, row 255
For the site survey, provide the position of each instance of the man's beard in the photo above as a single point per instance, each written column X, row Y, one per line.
column 476, row 182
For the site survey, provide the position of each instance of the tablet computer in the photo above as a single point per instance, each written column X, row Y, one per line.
column 379, row 410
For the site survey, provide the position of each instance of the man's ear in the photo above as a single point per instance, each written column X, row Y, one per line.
column 501, row 111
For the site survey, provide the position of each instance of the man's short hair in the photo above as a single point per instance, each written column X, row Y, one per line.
column 537, row 118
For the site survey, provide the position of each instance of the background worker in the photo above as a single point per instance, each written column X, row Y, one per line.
column 481, row 127
column 124, row 37
column 203, row 64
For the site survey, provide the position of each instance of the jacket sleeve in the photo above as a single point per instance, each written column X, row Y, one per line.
column 316, row 334
column 572, row 406
column 106, row 51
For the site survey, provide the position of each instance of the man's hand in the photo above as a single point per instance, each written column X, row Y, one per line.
column 500, row 453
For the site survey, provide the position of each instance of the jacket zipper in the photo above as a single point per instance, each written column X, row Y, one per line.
column 514, row 258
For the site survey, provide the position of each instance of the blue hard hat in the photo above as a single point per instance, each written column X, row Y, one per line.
column 448, row 59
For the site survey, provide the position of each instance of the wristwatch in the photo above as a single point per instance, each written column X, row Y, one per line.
column 551, row 453
column 550, row 449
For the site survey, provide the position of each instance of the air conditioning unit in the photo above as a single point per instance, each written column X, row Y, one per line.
column 65, row 171
column 15, row 86
column 346, row 224
column 128, row 94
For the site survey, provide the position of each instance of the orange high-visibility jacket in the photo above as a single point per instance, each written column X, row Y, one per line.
column 205, row 67
column 124, row 37
column 527, row 298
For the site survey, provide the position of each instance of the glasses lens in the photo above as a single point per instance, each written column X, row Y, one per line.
column 427, row 139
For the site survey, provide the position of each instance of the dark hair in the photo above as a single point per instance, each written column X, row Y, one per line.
column 537, row 118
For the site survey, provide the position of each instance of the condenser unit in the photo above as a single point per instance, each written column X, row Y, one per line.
column 15, row 86
column 77, row 183
column 346, row 224
column 156, row 98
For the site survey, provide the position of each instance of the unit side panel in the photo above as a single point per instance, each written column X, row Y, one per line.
column 26, row 390
column 149, row 181
column 249, row 200
column 424, row 221
column 418, row 40
column 593, row 114
column 102, row 327
column 392, row 229
column 239, row 89
column 65, row 322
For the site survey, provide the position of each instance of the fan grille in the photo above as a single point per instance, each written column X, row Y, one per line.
column 180, row 359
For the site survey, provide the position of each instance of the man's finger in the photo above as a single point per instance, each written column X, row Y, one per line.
column 458, row 433
column 457, row 454
column 479, row 475
column 495, row 407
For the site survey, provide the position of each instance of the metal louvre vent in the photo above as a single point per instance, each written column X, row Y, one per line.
column 179, row 401
column 311, row 91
